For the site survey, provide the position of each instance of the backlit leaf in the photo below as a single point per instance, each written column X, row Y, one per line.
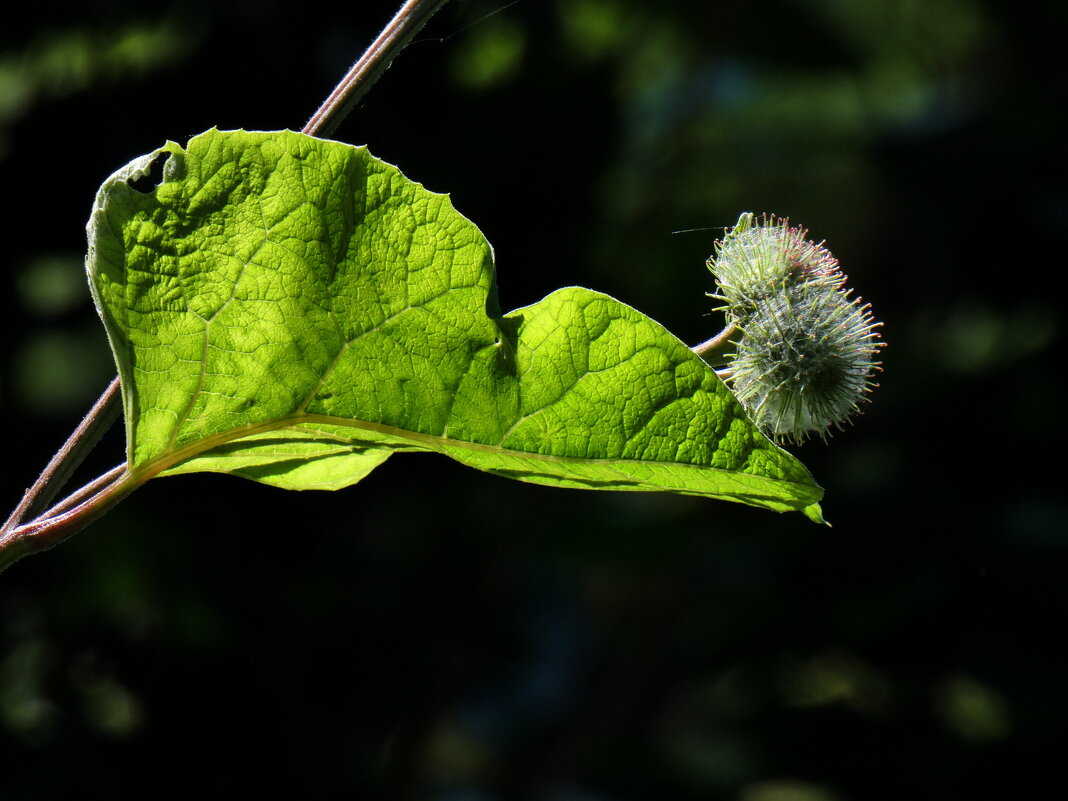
column 293, row 310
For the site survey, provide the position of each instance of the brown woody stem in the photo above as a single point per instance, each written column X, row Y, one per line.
column 407, row 22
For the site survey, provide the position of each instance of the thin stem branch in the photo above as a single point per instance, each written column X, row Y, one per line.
column 67, row 459
column 713, row 350
column 411, row 17
column 50, row 530
column 72, row 514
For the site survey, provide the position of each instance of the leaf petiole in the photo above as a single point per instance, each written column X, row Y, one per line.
column 92, row 488
column 54, row 526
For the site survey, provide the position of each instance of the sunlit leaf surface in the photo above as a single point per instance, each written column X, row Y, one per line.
column 293, row 311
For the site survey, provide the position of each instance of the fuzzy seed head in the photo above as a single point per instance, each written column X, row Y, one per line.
column 807, row 351
column 761, row 256
column 805, row 361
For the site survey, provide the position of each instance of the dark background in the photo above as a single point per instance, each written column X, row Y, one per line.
column 437, row 633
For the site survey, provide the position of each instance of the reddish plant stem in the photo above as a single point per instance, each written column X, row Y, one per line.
column 411, row 17
column 92, row 488
column 49, row 530
column 67, row 459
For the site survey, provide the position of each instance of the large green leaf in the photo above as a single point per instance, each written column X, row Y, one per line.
column 293, row 310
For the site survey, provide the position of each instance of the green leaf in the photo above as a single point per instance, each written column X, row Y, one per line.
column 293, row 310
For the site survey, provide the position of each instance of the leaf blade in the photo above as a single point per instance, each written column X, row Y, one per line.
column 293, row 310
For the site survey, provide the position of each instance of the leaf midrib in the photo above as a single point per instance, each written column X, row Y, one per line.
column 172, row 458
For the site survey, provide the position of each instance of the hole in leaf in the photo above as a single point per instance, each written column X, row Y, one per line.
column 152, row 178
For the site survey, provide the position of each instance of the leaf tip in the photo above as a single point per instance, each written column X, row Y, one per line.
column 814, row 513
